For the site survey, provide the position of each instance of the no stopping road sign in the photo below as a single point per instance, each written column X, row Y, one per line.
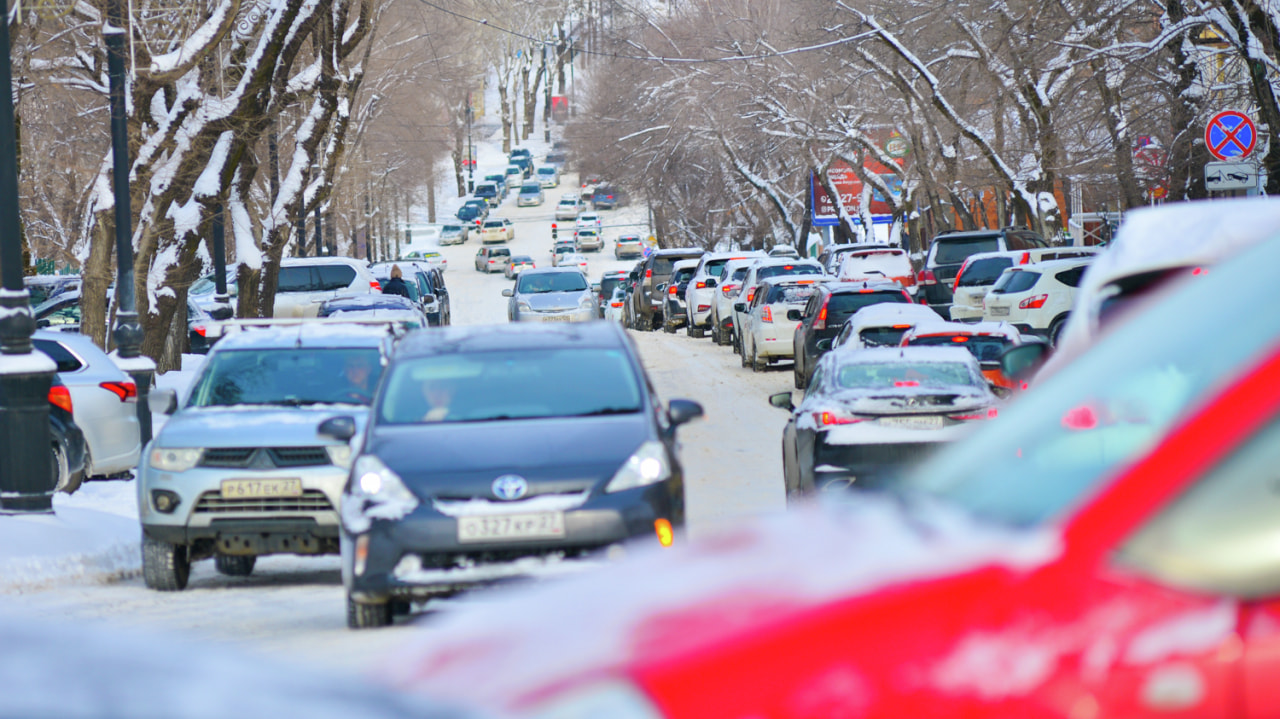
column 1230, row 135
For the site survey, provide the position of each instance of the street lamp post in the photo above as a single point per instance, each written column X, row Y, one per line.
column 546, row 108
column 471, row 165
column 128, row 333
column 26, row 471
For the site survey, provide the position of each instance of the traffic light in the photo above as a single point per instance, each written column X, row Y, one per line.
column 553, row 232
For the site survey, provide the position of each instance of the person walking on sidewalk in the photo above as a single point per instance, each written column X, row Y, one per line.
column 396, row 285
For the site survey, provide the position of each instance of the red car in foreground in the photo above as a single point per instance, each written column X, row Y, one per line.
column 1108, row 547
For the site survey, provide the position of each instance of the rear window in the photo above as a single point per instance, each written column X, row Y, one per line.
column 608, row 283
column 1071, row 278
column 955, row 251
column 451, row 228
column 1014, row 282
column 486, row 189
column 662, row 265
column 740, row 273
column 336, row 277
column 865, row 375
column 60, row 355
column 790, row 294
column 883, row 336
column 682, row 275
column 500, row 252
column 984, row 272
column 493, row 223
column 842, row 306
column 985, row 348
column 784, row 270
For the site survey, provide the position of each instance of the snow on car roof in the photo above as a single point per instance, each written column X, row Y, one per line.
column 295, row 261
column 1003, row 329
column 659, row 603
column 1056, row 265
column 685, row 264
column 303, row 334
column 523, row 335
column 794, row 280
column 880, row 355
column 888, row 313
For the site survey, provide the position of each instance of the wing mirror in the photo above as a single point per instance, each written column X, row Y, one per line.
column 782, row 400
column 508, row 293
column 428, row 299
column 824, row 345
column 710, row 283
column 794, row 315
column 595, row 287
column 340, row 428
column 1000, row 391
column 163, row 400
column 682, row 411
column 739, row 306
column 1021, row 362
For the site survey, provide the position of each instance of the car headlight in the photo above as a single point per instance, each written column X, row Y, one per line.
column 375, row 492
column 523, row 306
column 616, row 699
column 173, row 459
column 647, row 466
column 340, row 454
column 586, row 303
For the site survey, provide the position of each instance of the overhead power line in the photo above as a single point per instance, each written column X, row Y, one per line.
column 653, row 58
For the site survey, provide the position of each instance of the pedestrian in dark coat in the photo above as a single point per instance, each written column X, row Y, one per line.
column 396, row 285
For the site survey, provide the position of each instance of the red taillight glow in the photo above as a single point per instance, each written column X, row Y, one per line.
column 959, row 338
column 751, row 294
column 820, row 323
column 926, row 277
column 615, row 304
column 727, row 290
column 200, row 330
column 1033, row 303
column 956, row 282
column 60, row 397
column 827, row 419
column 648, row 274
column 991, row 414
column 906, row 383
column 788, row 267
column 124, row 390
column 672, row 290
column 376, row 285
column 1026, row 257
column 766, row 315
column 1200, row 271
column 700, row 286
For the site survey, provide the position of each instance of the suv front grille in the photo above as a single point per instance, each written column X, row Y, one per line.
column 312, row 500
column 264, row 457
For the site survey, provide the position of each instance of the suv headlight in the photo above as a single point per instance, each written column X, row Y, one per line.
column 616, row 699
column 174, row 459
column 587, row 303
column 647, row 466
column 375, row 492
column 339, row 454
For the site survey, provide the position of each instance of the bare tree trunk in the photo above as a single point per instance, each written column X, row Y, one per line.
column 431, row 198
column 95, row 277
column 505, row 107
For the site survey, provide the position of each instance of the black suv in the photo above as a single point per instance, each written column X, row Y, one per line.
column 646, row 307
column 948, row 252
column 828, row 308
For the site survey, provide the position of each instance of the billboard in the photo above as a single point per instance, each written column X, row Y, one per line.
column 849, row 186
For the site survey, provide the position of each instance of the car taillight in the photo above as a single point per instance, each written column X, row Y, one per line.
column 648, row 274
column 826, row 419
column 124, row 390
column 671, row 290
column 1033, row 303
column 751, row 294
column 926, row 277
column 1026, row 257
column 200, row 330
column 766, row 315
column 615, row 304
column 376, row 286
column 956, row 282
column 703, row 308
column 990, row 414
column 700, row 285
column 60, row 397
column 727, row 290
column 820, row 323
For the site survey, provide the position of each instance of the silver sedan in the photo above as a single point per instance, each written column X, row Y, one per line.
column 559, row 294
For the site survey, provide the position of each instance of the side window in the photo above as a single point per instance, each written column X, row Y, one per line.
column 295, row 279
column 1220, row 536
column 60, row 355
column 1015, row 242
column 1071, row 278
column 818, row 374
column 336, row 277
column 811, row 307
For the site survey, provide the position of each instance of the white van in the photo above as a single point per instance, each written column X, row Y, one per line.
column 306, row 282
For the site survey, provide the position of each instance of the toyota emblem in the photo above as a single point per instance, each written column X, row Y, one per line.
column 510, row 486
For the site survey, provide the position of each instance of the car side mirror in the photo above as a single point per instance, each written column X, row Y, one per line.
column 41, row 324
column 163, row 400
column 340, row 428
column 1020, row 362
column 794, row 315
column 782, row 400
column 824, row 345
column 740, row 306
column 428, row 299
column 508, row 293
column 710, row 283
column 1000, row 391
column 682, row 411
column 222, row 312
column 595, row 287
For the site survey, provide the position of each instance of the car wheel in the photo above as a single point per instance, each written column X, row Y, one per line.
column 758, row 364
column 668, row 328
column 367, row 616
column 62, row 479
column 1055, row 331
column 165, row 567
column 234, row 565
column 742, row 352
column 715, row 332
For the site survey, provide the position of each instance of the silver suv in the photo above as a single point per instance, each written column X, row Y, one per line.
column 239, row 471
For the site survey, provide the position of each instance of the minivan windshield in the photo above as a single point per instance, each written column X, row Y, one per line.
column 510, row 385
column 1068, row 436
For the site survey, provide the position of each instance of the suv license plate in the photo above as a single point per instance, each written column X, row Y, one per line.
column 511, row 527
column 925, row 422
column 260, row 488
column 998, row 311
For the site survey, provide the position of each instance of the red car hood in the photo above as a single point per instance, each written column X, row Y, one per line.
column 509, row 648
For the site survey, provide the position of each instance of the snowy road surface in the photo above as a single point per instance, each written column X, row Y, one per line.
column 293, row 607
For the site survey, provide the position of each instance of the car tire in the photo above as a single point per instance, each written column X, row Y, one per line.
column 695, row 332
column 367, row 616
column 742, row 352
column 234, row 565
column 758, row 364
column 668, row 328
column 1055, row 331
column 63, row 481
column 715, row 332
column 165, row 567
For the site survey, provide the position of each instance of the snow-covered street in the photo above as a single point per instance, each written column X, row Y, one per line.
column 292, row 607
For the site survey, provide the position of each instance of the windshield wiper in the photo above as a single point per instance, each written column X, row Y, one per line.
column 608, row 410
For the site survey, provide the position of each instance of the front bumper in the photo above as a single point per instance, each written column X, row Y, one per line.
column 420, row 555
column 574, row 315
column 203, row 518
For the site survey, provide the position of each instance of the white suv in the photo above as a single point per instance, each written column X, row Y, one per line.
column 701, row 292
column 307, row 282
column 726, row 293
column 759, row 271
column 980, row 272
column 1036, row 298
column 769, row 324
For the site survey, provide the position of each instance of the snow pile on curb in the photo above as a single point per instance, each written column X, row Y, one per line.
column 92, row 536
